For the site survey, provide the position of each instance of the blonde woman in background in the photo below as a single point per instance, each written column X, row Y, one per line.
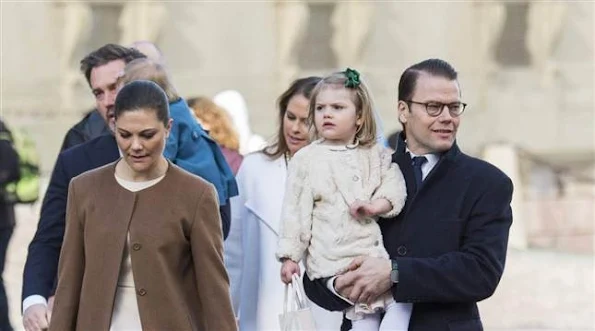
column 218, row 124
column 235, row 105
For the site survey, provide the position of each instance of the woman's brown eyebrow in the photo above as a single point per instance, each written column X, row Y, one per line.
column 143, row 131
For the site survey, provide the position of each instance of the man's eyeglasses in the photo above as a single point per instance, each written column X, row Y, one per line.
column 435, row 108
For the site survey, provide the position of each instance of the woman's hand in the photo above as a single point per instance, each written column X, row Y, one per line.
column 289, row 268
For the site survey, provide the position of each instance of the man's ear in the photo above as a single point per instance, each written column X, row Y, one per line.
column 402, row 111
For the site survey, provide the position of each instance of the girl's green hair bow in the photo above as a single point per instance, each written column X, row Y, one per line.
column 352, row 78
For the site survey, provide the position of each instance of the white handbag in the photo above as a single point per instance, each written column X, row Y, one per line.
column 298, row 316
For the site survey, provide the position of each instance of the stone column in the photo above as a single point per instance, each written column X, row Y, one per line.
column 489, row 23
column 141, row 21
column 351, row 21
column 545, row 21
column 292, row 22
column 78, row 19
column 505, row 157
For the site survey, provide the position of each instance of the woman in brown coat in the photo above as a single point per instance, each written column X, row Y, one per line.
column 143, row 248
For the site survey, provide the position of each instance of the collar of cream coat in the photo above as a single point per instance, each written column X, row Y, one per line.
column 321, row 142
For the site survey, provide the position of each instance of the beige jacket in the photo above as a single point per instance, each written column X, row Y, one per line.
column 323, row 181
column 176, row 249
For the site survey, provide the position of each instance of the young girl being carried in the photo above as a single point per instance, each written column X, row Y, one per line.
column 337, row 187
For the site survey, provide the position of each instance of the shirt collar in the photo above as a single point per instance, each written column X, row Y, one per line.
column 431, row 157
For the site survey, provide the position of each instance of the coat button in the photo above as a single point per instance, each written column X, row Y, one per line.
column 376, row 243
column 142, row 292
column 136, row 246
column 355, row 178
column 402, row 250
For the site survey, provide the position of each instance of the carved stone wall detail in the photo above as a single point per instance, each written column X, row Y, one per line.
column 141, row 21
column 292, row 21
column 545, row 21
column 78, row 18
column 351, row 21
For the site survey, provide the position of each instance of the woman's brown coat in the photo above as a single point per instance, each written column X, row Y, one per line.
column 176, row 249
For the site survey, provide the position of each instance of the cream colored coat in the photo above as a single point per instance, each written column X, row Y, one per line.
column 176, row 254
column 323, row 182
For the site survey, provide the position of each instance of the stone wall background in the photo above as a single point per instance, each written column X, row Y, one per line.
column 526, row 70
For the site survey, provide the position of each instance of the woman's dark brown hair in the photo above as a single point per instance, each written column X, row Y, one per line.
column 301, row 86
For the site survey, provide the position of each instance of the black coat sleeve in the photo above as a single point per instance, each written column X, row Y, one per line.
column 317, row 291
column 44, row 251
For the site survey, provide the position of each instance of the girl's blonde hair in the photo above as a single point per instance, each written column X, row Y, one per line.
column 364, row 106
column 220, row 127
column 146, row 69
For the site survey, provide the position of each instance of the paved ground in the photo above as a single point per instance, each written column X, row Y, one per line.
column 540, row 290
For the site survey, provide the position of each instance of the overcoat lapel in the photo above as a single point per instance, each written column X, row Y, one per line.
column 269, row 212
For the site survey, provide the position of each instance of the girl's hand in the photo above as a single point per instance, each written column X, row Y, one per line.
column 289, row 268
column 365, row 209
column 361, row 209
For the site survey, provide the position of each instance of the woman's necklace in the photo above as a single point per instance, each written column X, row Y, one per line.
column 287, row 158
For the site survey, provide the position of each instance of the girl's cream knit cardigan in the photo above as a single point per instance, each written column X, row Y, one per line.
column 323, row 180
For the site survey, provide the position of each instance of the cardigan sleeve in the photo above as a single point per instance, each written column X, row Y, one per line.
column 71, row 267
column 215, row 311
column 296, row 216
column 392, row 184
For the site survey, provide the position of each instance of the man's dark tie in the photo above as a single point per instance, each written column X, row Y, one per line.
column 417, row 162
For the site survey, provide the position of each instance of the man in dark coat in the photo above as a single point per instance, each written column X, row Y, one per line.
column 9, row 172
column 448, row 246
column 89, row 127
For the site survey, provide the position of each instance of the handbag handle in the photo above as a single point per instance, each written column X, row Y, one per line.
column 299, row 293
column 286, row 298
column 298, row 296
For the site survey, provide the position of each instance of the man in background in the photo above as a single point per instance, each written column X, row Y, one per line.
column 9, row 172
column 93, row 125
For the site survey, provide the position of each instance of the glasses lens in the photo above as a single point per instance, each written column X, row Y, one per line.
column 461, row 108
column 433, row 109
column 455, row 108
